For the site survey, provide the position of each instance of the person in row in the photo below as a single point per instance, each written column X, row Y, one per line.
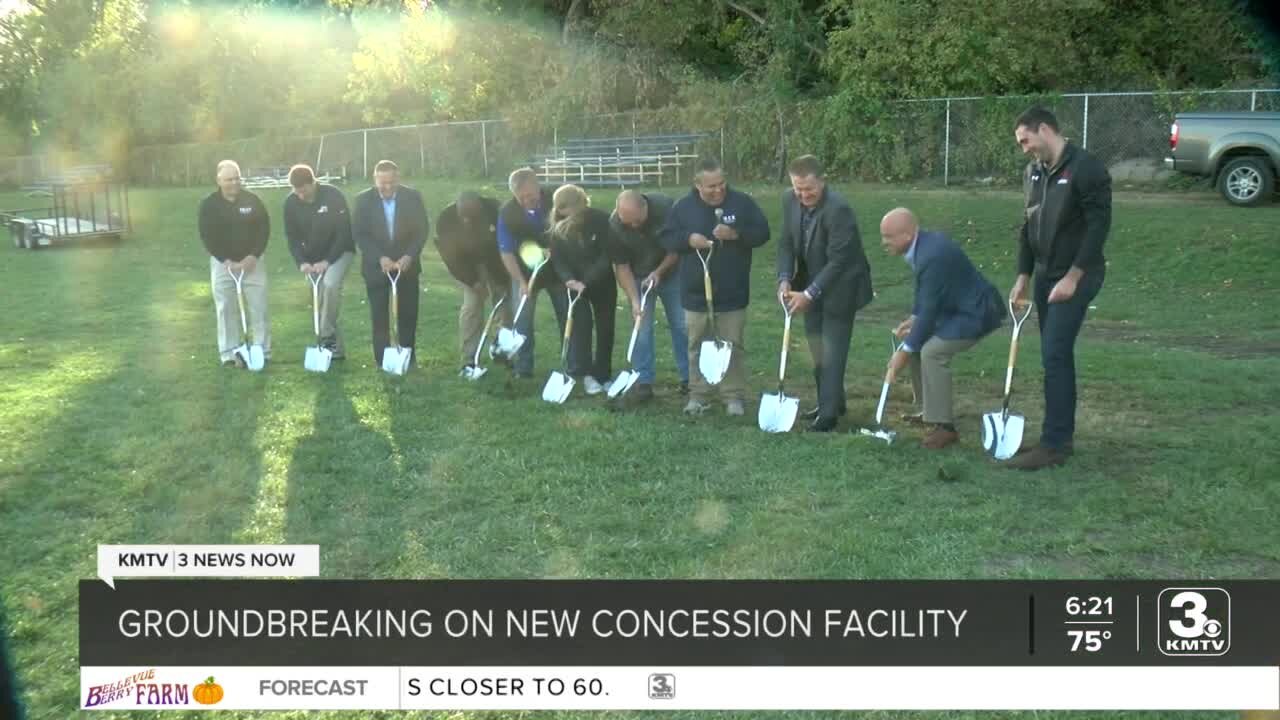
column 234, row 229
column 317, row 226
column 580, row 243
column 525, row 219
column 467, row 238
column 715, row 229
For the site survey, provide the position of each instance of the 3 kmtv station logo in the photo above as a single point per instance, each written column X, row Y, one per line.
column 1194, row 622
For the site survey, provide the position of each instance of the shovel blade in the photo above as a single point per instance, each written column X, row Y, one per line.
column 252, row 356
column 395, row 360
column 317, row 359
column 508, row 344
column 777, row 412
column 887, row 436
column 557, row 388
column 1001, row 437
column 474, row 372
column 622, row 383
column 713, row 360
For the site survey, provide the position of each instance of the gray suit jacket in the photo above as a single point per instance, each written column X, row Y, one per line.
column 833, row 266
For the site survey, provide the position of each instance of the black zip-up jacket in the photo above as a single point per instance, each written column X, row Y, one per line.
column 1067, row 215
column 467, row 248
column 642, row 248
column 730, row 260
column 234, row 230
column 319, row 230
column 584, row 254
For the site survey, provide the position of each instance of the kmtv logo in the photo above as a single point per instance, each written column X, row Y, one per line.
column 1194, row 621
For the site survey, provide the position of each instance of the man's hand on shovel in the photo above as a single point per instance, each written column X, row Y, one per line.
column 798, row 302
column 896, row 363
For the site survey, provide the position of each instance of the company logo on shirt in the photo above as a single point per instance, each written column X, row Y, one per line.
column 728, row 219
column 323, row 209
column 246, row 210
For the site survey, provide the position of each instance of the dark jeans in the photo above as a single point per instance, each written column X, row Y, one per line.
column 600, row 302
column 1059, row 326
column 828, row 337
column 380, row 309
column 523, row 362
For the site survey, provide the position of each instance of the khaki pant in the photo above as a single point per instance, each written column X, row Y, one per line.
column 228, row 311
column 331, row 299
column 731, row 326
column 931, row 377
column 472, row 315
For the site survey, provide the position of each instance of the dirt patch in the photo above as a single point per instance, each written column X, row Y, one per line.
column 1228, row 347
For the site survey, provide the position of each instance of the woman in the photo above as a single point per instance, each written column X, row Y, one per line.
column 580, row 239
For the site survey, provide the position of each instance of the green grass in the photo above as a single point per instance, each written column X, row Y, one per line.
column 119, row 427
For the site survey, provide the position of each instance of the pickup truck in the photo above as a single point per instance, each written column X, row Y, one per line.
column 1239, row 150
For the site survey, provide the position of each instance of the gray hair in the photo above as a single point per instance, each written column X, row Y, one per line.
column 227, row 164
column 520, row 177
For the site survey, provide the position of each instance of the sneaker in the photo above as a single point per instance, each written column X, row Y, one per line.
column 466, row 370
column 696, row 407
column 592, row 385
column 332, row 345
column 735, row 408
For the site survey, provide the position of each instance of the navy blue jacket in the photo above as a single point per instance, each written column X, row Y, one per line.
column 730, row 260
column 953, row 300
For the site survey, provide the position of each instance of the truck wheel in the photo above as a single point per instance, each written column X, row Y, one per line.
column 1246, row 181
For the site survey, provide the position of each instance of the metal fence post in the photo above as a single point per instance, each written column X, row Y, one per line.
column 1085, row 141
column 1253, row 101
column 484, row 147
column 319, row 155
column 366, row 153
column 946, row 149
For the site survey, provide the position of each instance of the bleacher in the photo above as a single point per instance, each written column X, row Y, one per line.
column 623, row 161
column 277, row 176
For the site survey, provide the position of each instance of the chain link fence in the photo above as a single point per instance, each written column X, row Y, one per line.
column 961, row 140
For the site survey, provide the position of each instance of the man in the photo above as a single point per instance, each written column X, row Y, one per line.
column 1065, row 224
column 693, row 227
column 637, row 222
column 390, row 228
column 524, row 219
column 318, row 228
column 954, row 308
column 823, row 274
column 234, row 228
column 467, row 238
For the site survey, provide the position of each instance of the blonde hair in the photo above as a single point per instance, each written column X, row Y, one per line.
column 227, row 164
column 573, row 202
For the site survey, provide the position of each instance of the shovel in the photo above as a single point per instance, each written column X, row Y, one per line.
column 509, row 339
column 395, row 359
column 559, row 385
column 715, row 354
column 250, row 354
column 317, row 358
column 777, row 410
column 627, row 378
column 474, row 371
column 1002, row 432
column 879, row 432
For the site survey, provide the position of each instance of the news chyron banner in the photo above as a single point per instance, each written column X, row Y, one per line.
column 311, row 644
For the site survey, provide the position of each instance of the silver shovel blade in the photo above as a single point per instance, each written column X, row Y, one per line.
column 508, row 343
column 395, row 360
column 473, row 372
column 1001, row 436
column 557, row 388
column 713, row 360
column 622, row 383
column 777, row 412
column 888, row 436
column 317, row 359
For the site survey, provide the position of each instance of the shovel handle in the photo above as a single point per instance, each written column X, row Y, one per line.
column 786, row 345
column 315, row 303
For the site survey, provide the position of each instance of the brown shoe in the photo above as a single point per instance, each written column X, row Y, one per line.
column 939, row 438
column 1037, row 458
column 1068, row 449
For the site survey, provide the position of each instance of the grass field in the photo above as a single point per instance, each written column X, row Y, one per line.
column 118, row 426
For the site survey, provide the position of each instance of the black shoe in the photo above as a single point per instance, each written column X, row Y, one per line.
column 331, row 344
column 684, row 388
column 823, row 424
column 813, row 413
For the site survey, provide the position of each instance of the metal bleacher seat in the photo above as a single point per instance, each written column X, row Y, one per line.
column 618, row 161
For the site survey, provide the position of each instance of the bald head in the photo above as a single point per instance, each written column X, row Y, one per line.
column 898, row 230
column 632, row 209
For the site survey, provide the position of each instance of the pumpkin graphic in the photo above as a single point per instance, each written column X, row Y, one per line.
column 207, row 692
